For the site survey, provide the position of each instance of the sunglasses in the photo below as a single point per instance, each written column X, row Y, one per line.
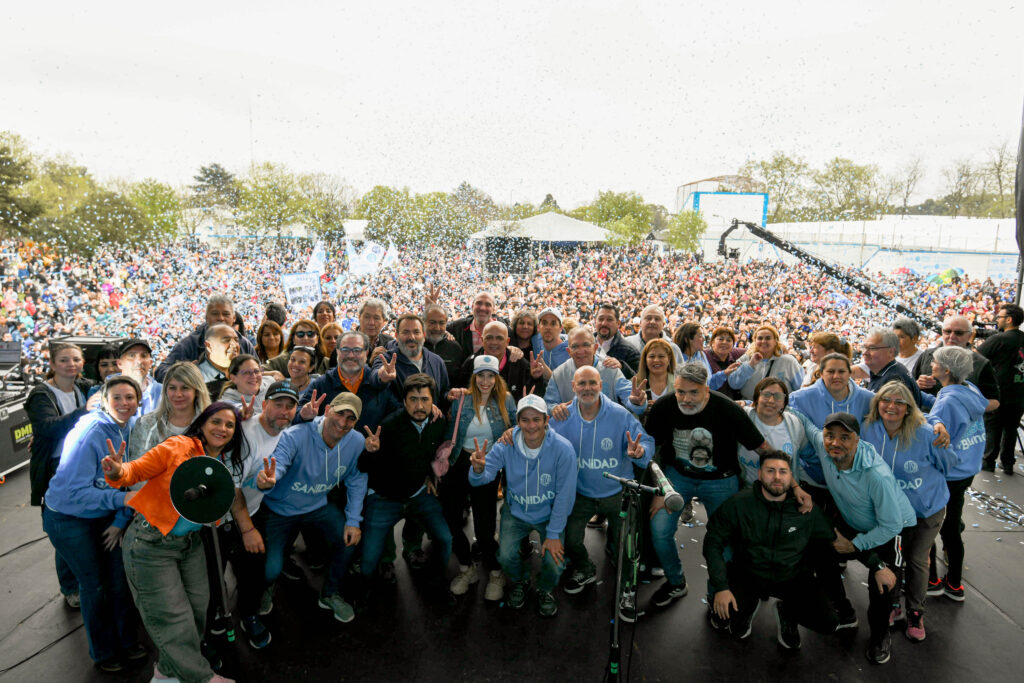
column 301, row 334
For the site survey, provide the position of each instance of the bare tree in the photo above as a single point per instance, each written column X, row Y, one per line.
column 961, row 181
column 999, row 171
column 907, row 180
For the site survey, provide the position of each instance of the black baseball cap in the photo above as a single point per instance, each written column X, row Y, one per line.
column 283, row 388
column 133, row 341
column 845, row 420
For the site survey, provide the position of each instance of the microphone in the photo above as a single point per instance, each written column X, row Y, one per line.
column 196, row 493
column 673, row 501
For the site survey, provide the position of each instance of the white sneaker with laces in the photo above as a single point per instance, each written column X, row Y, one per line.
column 495, row 586
column 467, row 575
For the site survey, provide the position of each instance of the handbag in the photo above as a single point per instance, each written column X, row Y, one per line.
column 442, row 457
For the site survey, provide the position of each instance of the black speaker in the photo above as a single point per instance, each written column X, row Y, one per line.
column 508, row 254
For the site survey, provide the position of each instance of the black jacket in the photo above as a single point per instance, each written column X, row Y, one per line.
column 378, row 402
column 518, row 379
column 191, row 347
column 49, row 428
column 451, row 353
column 460, row 329
column 982, row 375
column 402, row 464
column 625, row 354
column 768, row 538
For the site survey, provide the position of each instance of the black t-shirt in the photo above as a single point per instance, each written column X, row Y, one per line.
column 702, row 446
column 1005, row 351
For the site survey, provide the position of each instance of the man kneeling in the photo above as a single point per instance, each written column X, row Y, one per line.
column 770, row 540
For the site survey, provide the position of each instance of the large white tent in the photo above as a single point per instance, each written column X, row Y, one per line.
column 545, row 227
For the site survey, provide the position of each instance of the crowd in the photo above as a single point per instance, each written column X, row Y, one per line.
column 432, row 389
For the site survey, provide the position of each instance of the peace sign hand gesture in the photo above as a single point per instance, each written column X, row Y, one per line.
column 267, row 477
column 478, row 459
column 431, row 295
column 538, row 368
column 387, row 373
column 312, row 409
column 638, row 396
column 634, row 449
column 372, row 444
column 112, row 463
column 248, row 409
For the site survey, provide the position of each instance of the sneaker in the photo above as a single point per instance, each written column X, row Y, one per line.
column 740, row 627
column 915, row 626
column 668, row 593
column 386, row 571
column 343, row 611
column 988, row 467
column 73, row 600
column 578, row 580
column 218, row 626
column 789, row 633
column 658, row 572
column 257, row 632
column 267, row 602
column 546, row 604
column 417, row 559
column 461, row 583
column 136, row 653
column 291, row 570
column 847, row 620
column 209, row 651
column 517, row 596
column 110, row 666
column 717, row 623
column 627, row 607
column 597, row 522
column 896, row 615
column 935, row 587
column 881, row 651
column 495, row 589
column 954, row 593
column 687, row 515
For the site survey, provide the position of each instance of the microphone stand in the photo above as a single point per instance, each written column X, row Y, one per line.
column 223, row 615
column 629, row 548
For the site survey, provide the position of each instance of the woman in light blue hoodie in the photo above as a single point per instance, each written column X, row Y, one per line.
column 961, row 408
column 85, row 519
column 901, row 435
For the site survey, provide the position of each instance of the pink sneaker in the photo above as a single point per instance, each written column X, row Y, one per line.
column 915, row 626
column 895, row 615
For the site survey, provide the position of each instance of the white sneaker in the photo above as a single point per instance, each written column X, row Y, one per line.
column 495, row 586
column 467, row 575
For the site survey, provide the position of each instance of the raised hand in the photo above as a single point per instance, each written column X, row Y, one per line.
column 538, row 368
column 478, row 458
column 638, row 396
column 515, row 353
column 372, row 444
column 756, row 358
column 387, row 373
column 431, row 295
column 248, row 409
column 267, row 477
column 312, row 409
column 634, row 449
column 111, row 464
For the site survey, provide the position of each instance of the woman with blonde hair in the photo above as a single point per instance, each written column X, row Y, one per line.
column 182, row 397
column 765, row 358
column 658, row 367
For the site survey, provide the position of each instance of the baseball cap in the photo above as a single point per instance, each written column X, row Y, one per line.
column 845, row 420
column 485, row 362
column 346, row 400
column 283, row 388
column 133, row 341
column 550, row 310
column 532, row 401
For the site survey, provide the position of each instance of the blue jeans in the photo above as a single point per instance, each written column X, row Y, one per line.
column 107, row 609
column 380, row 514
column 329, row 521
column 65, row 577
column 513, row 531
column 712, row 493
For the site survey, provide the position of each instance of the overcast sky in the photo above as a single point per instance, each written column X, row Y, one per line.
column 518, row 98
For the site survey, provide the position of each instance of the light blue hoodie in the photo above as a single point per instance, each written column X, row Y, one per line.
column 919, row 467
column 600, row 446
column 961, row 408
column 867, row 494
column 817, row 403
column 539, row 489
column 307, row 469
column 78, row 487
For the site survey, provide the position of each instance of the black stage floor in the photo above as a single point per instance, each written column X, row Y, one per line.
column 407, row 636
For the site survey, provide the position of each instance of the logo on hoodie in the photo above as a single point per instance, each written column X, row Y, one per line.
column 607, row 444
column 545, row 479
column 910, row 467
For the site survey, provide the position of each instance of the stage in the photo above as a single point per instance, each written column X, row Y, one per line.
column 407, row 636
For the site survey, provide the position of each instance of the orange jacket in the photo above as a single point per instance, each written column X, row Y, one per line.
column 155, row 467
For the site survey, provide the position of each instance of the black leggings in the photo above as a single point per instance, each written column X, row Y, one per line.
column 456, row 494
column 950, row 533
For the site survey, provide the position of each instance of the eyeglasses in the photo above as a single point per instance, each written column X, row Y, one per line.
column 350, row 349
column 300, row 334
column 578, row 347
column 775, row 395
column 876, row 348
column 893, row 401
column 251, row 373
column 958, row 333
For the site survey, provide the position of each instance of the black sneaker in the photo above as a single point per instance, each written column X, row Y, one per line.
column 879, row 652
column 847, row 619
column 110, row 666
column 257, row 633
column 954, row 593
column 517, row 595
column 218, row 626
column 717, row 623
column 789, row 632
column 741, row 627
column 627, row 607
column 578, row 580
column 386, row 571
column 596, row 522
column 1008, row 470
column 417, row 559
column 291, row 570
column 935, row 587
column 136, row 653
column 988, row 467
column 668, row 593
column 547, row 606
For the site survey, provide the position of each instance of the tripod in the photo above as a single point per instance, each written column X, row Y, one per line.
column 626, row 574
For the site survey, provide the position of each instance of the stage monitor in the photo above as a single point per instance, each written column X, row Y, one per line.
column 508, row 254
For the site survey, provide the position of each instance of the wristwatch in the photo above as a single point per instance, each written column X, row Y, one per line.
column 881, row 566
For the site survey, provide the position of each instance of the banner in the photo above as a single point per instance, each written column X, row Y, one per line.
column 317, row 260
column 302, row 290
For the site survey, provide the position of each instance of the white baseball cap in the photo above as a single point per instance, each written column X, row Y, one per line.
column 550, row 310
column 532, row 401
column 484, row 362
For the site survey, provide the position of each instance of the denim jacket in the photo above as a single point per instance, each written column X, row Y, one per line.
column 468, row 414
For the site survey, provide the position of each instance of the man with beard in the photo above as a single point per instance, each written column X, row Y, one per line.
column 135, row 359
column 771, row 542
column 957, row 331
column 611, row 341
column 408, row 357
column 652, row 326
column 554, row 350
column 1005, row 351
column 437, row 340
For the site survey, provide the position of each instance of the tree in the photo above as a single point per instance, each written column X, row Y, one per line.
column 324, row 203
column 215, row 186
column 1001, row 169
column 159, row 206
column 610, row 207
column 961, row 181
column 844, row 190
column 907, row 180
column 440, row 219
column 685, row 230
column 17, row 208
column 786, row 180
column 390, row 214
column 549, row 204
column 659, row 217
column 269, row 200
column 629, row 230
column 476, row 202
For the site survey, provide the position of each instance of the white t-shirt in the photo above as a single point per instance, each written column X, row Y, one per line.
column 777, row 436
column 174, row 430
column 910, row 361
column 66, row 399
column 260, row 445
column 480, row 429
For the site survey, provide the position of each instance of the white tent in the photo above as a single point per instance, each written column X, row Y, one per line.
column 545, row 227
